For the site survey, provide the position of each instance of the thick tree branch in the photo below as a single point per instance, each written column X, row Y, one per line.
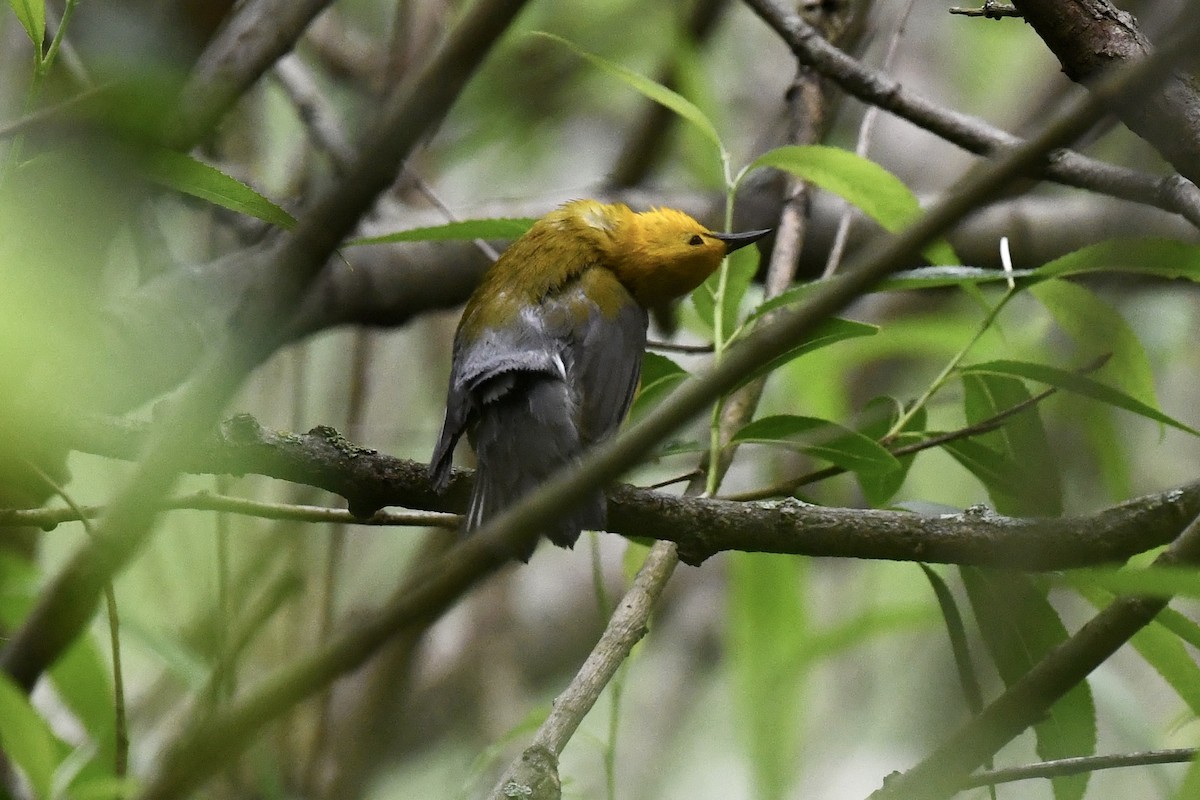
column 701, row 527
column 256, row 36
column 1092, row 37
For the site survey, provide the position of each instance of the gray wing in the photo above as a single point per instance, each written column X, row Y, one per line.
column 604, row 364
column 486, row 369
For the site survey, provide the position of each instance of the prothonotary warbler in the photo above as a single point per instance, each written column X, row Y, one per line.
column 549, row 348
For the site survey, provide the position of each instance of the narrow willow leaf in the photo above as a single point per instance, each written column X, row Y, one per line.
column 185, row 174
column 502, row 228
column 1000, row 475
column 647, row 87
column 943, row 277
column 1152, row 581
column 82, row 679
column 1023, row 442
column 1165, row 258
column 822, row 439
column 1099, row 329
column 881, row 195
column 27, row 739
column 1020, row 627
column 1158, row 645
column 968, row 681
column 1079, row 384
column 32, row 16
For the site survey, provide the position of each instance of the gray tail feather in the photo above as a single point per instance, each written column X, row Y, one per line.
column 522, row 439
column 497, row 489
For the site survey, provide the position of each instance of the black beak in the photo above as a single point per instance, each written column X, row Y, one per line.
column 735, row 240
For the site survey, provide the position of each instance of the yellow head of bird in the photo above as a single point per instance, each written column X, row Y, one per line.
column 662, row 254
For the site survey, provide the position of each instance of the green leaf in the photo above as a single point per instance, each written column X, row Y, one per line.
column 882, row 413
column 1151, row 581
column 743, row 264
column 81, row 676
column 942, row 277
column 1191, row 781
column 831, row 331
column 1079, row 384
column 651, row 89
column 822, row 439
column 185, row 174
column 1022, row 441
column 1019, row 628
column 967, row 679
column 32, row 16
column 999, row 474
column 502, row 228
column 768, row 626
column 881, row 195
column 1159, row 646
column 660, row 376
column 1165, row 258
column 1098, row 329
column 27, row 739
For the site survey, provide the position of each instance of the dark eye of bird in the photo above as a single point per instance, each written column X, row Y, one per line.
column 696, row 241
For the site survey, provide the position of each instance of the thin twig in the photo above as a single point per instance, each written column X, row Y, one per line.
column 49, row 518
column 120, row 722
column 1078, row 765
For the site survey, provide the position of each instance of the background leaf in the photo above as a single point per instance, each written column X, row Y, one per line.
column 185, row 174
column 1023, row 443
column 768, row 624
column 1099, row 330
column 660, row 376
column 1079, row 384
column 27, row 738
column 1165, row 258
column 881, row 195
column 32, row 16
column 743, row 264
column 822, row 439
column 882, row 413
column 506, row 228
column 651, row 89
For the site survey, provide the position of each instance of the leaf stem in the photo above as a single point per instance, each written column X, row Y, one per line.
column 951, row 365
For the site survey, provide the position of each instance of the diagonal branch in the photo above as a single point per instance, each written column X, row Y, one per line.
column 944, row 772
column 68, row 603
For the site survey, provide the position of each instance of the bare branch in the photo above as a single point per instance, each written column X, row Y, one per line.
column 972, row 134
